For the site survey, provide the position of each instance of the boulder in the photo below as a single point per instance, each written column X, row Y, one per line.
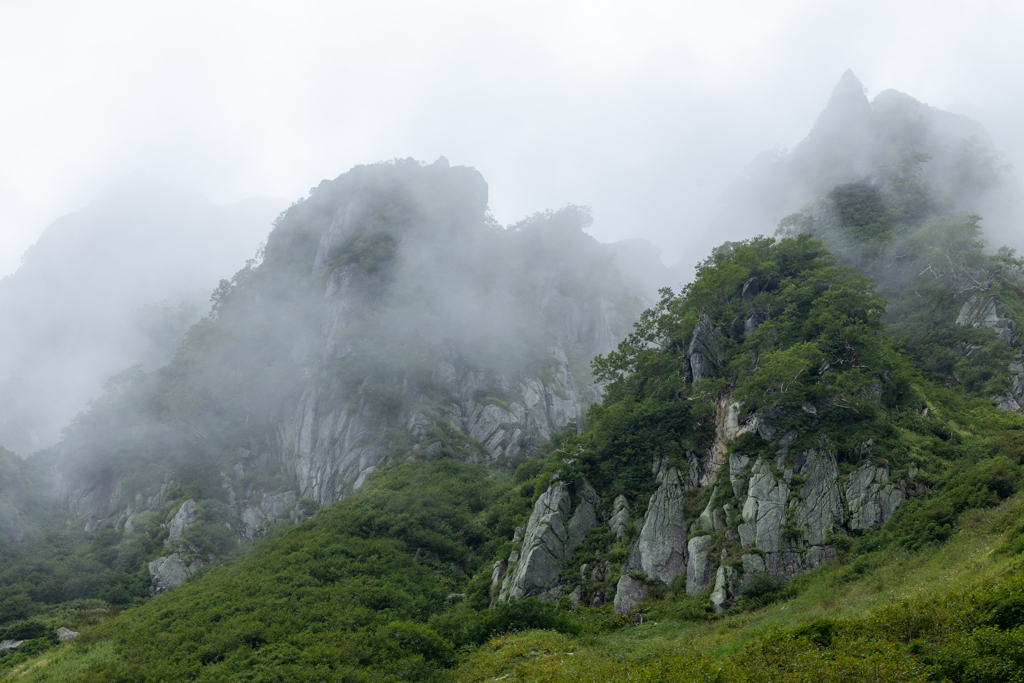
column 185, row 517
column 628, row 594
column 619, row 522
column 170, row 572
column 67, row 634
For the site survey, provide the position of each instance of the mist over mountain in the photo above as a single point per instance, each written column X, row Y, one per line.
column 408, row 443
column 107, row 287
column 389, row 318
column 850, row 139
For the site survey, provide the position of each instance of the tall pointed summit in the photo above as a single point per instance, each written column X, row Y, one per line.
column 847, row 107
column 839, row 144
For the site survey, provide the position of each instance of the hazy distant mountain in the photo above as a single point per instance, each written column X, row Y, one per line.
column 851, row 137
column 109, row 286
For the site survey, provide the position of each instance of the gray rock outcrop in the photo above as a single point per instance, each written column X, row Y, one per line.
column 619, row 522
column 870, row 498
column 660, row 549
column 256, row 517
column 987, row 312
column 738, row 474
column 628, row 594
column 331, row 447
column 549, row 540
column 495, row 325
column 764, row 511
column 819, row 510
column 705, row 356
column 725, row 587
column 171, row 571
column 753, row 321
column 185, row 517
column 584, row 517
column 700, row 569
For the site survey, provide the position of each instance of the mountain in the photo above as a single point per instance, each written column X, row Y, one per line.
column 852, row 136
column 389, row 319
column 411, row 444
column 112, row 285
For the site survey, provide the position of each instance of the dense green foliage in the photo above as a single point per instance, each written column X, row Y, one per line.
column 839, row 332
column 44, row 563
column 821, row 343
column 349, row 595
column 926, row 260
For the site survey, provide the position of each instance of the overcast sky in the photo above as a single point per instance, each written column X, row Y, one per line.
column 641, row 110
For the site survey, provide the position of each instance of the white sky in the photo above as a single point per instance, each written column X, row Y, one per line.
column 641, row 110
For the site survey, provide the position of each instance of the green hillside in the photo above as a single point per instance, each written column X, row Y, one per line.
column 392, row 582
column 408, row 445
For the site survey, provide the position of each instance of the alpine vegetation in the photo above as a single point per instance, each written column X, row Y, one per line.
column 408, row 443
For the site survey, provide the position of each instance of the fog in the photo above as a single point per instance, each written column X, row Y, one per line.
column 112, row 285
column 135, row 139
column 644, row 112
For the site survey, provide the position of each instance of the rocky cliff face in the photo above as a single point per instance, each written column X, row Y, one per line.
column 988, row 312
column 772, row 510
column 780, row 521
column 389, row 320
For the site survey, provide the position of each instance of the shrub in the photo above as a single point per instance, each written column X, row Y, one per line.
column 522, row 615
column 762, row 590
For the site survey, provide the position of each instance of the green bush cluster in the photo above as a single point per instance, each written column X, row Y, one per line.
column 342, row 597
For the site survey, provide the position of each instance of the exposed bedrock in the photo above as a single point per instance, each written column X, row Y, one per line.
column 554, row 530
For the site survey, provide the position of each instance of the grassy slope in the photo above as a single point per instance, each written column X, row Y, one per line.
column 658, row 650
column 202, row 616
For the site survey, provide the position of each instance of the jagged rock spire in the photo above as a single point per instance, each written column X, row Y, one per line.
column 847, row 111
column 840, row 144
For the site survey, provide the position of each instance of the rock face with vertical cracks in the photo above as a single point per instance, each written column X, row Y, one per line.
column 764, row 511
column 705, row 357
column 700, row 570
column 392, row 322
column 549, row 540
column 987, row 312
column 819, row 511
column 660, row 550
column 870, row 498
